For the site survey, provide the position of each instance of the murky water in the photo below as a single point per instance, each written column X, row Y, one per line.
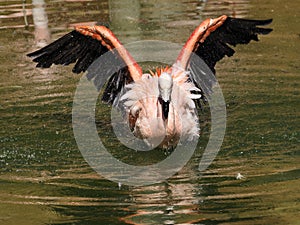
column 44, row 178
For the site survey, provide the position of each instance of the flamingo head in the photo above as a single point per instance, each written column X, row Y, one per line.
column 165, row 84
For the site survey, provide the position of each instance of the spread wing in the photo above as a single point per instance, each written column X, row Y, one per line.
column 83, row 46
column 212, row 40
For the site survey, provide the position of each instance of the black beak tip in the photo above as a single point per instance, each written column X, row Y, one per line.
column 165, row 108
column 166, row 113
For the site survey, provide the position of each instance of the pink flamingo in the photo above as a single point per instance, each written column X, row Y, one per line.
column 161, row 103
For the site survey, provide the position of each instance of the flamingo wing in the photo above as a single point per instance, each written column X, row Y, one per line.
column 232, row 32
column 83, row 46
column 213, row 39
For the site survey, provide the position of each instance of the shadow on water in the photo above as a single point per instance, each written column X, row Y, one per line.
column 45, row 180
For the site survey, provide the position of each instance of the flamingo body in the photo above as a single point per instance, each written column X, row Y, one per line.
column 145, row 109
column 162, row 103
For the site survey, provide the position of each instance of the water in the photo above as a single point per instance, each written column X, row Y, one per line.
column 45, row 180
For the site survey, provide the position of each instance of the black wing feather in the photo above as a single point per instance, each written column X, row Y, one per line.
column 72, row 47
column 218, row 45
column 232, row 32
column 75, row 47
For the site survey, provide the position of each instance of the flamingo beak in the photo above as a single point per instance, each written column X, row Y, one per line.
column 165, row 84
column 165, row 108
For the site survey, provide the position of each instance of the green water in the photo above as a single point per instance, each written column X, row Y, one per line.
column 45, row 180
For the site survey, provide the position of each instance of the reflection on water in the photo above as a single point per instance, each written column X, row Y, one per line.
column 43, row 176
column 40, row 20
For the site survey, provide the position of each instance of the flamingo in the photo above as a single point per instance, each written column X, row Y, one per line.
column 164, row 101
